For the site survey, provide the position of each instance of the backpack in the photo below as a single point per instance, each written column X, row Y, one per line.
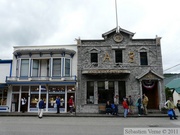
column 112, row 106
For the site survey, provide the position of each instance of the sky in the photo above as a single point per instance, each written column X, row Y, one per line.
column 59, row 22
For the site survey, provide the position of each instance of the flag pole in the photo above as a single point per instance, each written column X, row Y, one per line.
column 117, row 27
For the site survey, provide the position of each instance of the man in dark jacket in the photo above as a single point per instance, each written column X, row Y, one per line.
column 41, row 108
column 58, row 103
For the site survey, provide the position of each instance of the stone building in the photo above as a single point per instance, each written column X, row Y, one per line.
column 118, row 65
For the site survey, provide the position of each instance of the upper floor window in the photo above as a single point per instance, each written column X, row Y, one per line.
column 24, row 67
column 67, row 67
column 118, row 56
column 94, row 57
column 57, row 67
column 143, row 58
column 35, row 68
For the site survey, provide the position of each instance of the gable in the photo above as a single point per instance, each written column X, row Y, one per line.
column 150, row 75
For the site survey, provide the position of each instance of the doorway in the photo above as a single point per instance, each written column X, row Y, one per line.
column 68, row 97
column 151, row 91
column 25, row 95
column 15, row 102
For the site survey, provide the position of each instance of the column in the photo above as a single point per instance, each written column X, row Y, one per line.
column 95, row 93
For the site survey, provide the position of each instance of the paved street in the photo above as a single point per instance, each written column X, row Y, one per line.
column 77, row 125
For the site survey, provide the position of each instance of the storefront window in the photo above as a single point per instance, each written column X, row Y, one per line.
column 34, row 100
column 90, row 92
column 105, row 94
column 70, row 88
column 16, row 88
column 3, row 97
column 122, row 90
column 35, row 95
column 55, row 91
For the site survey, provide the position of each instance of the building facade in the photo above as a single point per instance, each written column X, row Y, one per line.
column 42, row 72
column 119, row 65
column 5, row 70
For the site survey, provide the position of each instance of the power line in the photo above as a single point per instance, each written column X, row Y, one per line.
column 172, row 67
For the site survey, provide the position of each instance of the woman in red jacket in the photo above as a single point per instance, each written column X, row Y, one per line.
column 71, row 104
column 126, row 107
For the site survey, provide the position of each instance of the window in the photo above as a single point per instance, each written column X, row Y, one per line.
column 90, row 92
column 94, row 57
column 122, row 90
column 57, row 67
column 67, row 67
column 3, row 97
column 24, row 67
column 35, row 68
column 143, row 58
column 118, row 56
column 105, row 94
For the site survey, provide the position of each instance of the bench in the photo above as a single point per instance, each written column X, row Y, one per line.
column 102, row 109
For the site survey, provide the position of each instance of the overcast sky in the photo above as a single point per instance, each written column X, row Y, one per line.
column 59, row 22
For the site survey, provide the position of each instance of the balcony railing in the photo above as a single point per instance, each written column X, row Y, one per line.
column 40, row 78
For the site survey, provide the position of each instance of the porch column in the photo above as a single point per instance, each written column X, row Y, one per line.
column 140, row 87
column 19, row 104
column 95, row 93
column 161, row 104
column 116, row 88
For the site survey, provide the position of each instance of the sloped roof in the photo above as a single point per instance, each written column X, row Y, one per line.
column 174, row 84
column 147, row 72
column 121, row 30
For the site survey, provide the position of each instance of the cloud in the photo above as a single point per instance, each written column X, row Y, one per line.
column 42, row 22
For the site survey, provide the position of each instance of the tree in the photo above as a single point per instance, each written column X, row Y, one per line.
column 169, row 92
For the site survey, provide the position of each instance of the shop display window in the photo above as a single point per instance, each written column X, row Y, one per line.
column 71, row 88
column 16, row 88
column 52, row 100
column 3, row 97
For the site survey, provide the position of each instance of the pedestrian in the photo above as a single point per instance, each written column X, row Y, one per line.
column 41, row 108
column 171, row 107
column 178, row 105
column 58, row 102
column 139, row 104
column 130, row 105
column 116, row 103
column 23, row 104
column 71, row 104
column 108, row 108
column 113, row 108
column 126, row 107
column 145, row 103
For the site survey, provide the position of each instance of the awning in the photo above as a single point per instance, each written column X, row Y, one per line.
column 43, row 82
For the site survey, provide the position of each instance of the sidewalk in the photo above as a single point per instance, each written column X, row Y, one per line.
column 34, row 114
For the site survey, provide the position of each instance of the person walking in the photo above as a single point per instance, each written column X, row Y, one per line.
column 41, row 108
column 23, row 104
column 116, row 103
column 126, row 107
column 145, row 103
column 130, row 105
column 171, row 107
column 139, row 104
column 58, row 102
column 71, row 104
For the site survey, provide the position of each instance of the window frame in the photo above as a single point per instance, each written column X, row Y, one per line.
column 116, row 56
